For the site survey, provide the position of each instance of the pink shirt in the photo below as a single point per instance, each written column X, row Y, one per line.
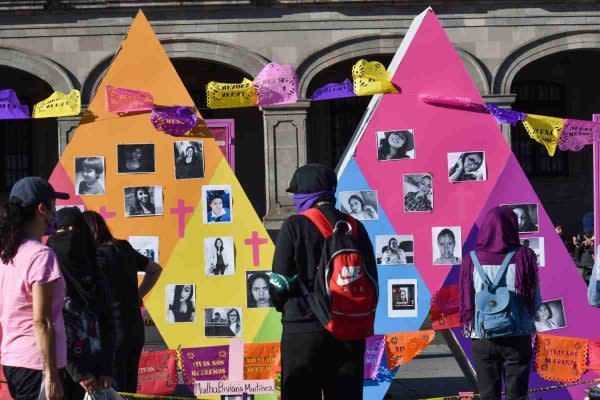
column 33, row 264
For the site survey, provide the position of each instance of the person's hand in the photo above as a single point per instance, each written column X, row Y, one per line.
column 105, row 382
column 88, row 382
column 53, row 387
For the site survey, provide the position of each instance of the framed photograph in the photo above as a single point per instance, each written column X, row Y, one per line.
column 395, row 145
column 223, row 322
column 146, row 246
column 467, row 166
column 527, row 215
column 550, row 316
column 216, row 204
column 537, row 245
column 447, row 245
column 362, row 205
column 394, row 249
column 219, row 256
column 142, row 201
column 90, row 178
column 135, row 158
column 181, row 303
column 189, row 159
column 402, row 298
column 418, row 192
column 257, row 289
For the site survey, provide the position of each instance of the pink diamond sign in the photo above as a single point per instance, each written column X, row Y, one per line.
column 421, row 175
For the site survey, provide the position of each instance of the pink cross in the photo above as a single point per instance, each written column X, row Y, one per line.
column 255, row 241
column 106, row 214
column 181, row 211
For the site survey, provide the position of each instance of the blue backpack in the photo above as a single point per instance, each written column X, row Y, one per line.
column 496, row 311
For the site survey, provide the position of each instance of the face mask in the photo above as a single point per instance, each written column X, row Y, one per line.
column 52, row 223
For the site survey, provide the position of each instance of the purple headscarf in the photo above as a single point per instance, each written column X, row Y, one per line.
column 498, row 235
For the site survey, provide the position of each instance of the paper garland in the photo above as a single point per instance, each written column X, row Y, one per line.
column 175, row 121
column 561, row 359
column 403, row 347
column 334, row 91
column 371, row 77
column 59, row 104
column 276, row 84
column 121, row 100
column 11, row 107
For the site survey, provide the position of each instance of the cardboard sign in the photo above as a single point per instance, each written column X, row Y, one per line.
column 157, row 373
column 261, row 360
column 560, row 359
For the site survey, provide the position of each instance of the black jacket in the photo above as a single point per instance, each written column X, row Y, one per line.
column 298, row 250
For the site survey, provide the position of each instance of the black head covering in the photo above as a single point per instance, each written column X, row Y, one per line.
column 68, row 216
column 312, row 178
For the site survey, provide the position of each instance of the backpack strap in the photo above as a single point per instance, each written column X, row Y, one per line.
column 479, row 269
column 320, row 221
column 323, row 224
column 503, row 269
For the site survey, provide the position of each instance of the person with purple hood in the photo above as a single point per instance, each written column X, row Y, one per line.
column 507, row 357
column 314, row 364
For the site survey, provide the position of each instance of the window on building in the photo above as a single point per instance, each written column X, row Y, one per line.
column 545, row 98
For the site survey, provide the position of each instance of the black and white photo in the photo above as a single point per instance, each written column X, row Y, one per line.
column 550, row 315
column 537, row 245
column 90, row 177
column 216, row 204
column 402, row 298
column 361, row 205
column 447, row 245
column 395, row 145
column 257, row 289
column 394, row 249
column 135, row 159
column 143, row 201
column 146, row 246
column 219, row 256
column 418, row 192
column 467, row 166
column 189, row 159
column 181, row 303
column 527, row 216
column 223, row 322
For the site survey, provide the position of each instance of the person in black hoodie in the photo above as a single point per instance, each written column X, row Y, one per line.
column 120, row 262
column 86, row 310
column 314, row 363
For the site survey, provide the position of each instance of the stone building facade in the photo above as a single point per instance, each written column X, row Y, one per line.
column 536, row 56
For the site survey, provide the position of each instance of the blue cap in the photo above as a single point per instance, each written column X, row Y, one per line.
column 33, row 190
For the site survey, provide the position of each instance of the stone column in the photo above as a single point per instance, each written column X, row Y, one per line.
column 285, row 150
column 66, row 129
column 502, row 101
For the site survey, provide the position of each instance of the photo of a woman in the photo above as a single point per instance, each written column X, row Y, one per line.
column 219, row 256
column 217, row 204
column 463, row 167
column 181, row 303
column 527, row 216
column 393, row 254
column 258, row 289
column 395, row 145
column 235, row 323
column 445, row 251
column 143, row 201
column 189, row 159
column 550, row 315
column 418, row 192
column 394, row 249
column 360, row 205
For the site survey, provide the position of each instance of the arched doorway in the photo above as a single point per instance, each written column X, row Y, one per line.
column 331, row 123
column 28, row 146
column 249, row 136
column 561, row 85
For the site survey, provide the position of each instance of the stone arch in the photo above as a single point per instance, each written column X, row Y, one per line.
column 379, row 44
column 51, row 72
column 237, row 57
column 538, row 48
column 477, row 70
column 344, row 50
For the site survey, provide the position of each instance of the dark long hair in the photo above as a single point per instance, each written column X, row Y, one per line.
column 463, row 157
column 360, row 200
column 138, row 204
column 385, row 149
column 177, row 298
column 98, row 228
column 219, row 251
column 13, row 220
column 251, row 280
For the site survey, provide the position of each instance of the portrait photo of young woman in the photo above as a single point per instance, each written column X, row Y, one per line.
column 143, row 201
column 219, row 256
column 257, row 284
column 418, row 192
column 361, row 205
column 216, row 203
column 135, row 158
column 468, row 166
column 181, row 303
column 446, row 243
column 189, row 159
column 395, row 145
